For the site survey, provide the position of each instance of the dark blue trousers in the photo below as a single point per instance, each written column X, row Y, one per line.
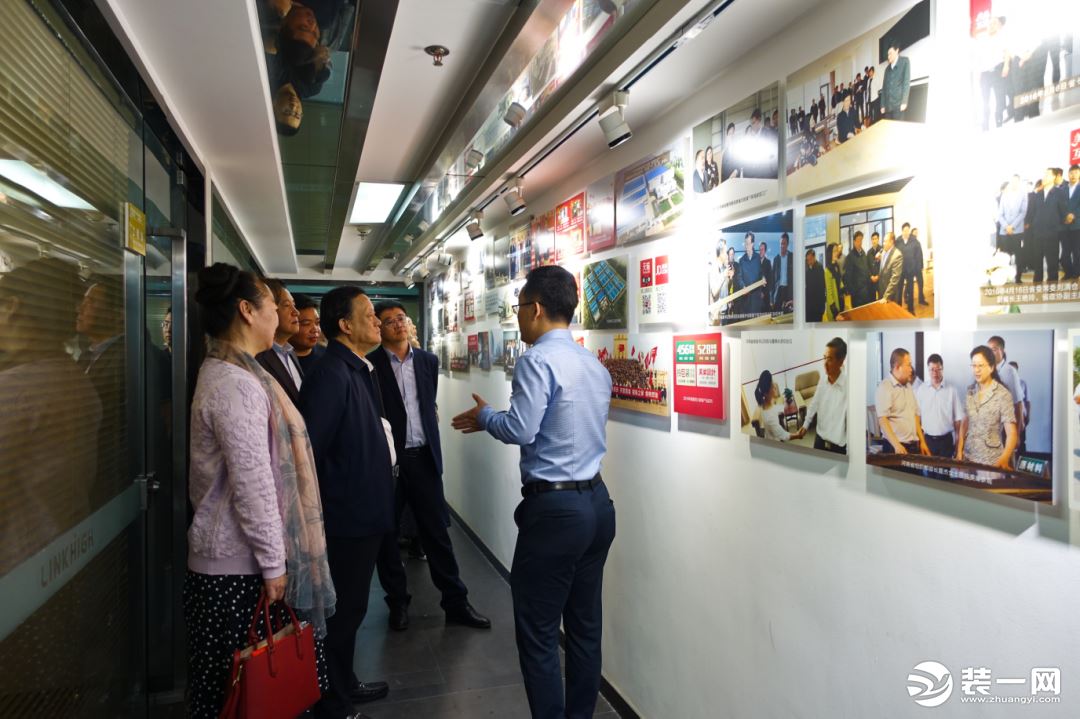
column 557, row 574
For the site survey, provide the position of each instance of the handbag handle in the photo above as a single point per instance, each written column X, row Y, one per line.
column 263, row 607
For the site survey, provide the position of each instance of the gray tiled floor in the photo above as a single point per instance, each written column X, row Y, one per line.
column 439, row 672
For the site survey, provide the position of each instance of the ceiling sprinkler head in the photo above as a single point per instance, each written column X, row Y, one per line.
column 438, row 52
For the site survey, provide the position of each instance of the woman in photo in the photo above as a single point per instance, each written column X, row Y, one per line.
column 701, row 172
column 712, row 172
column 834, row 283
column 767, row 393
column 990, row 415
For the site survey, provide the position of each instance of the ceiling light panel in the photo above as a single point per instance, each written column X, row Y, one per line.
column 374, row 201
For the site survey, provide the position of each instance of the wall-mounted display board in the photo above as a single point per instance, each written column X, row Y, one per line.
column 495, row 342
column 513, row 347
column 441, row 349
column 794, row 388
column 604, row 294
column 1073, row 404
column 500, row 262
column 600, row 210
column 507, row 298
column 570, row 228
column 469, row 298
column 542, row 235
column 522, row 254
column 868, row 255
column 480, row 350
column 653, row 289
column 699, row 375
column 473, row 342
column 649, row 196
column 974, row 409
column 640, row 367
column 735, row 157
column 750, row 273
column 1026, row 61
column 459, row 352
column 1029, row 246
column 860, row 109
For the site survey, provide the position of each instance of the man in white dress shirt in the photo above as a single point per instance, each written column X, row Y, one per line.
column 941, row 410
column 829, row 403
column 1010, row 377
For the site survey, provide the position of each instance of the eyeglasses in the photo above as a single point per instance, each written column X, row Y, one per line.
column 523, row 304
column 395, row 321
column 166, row 324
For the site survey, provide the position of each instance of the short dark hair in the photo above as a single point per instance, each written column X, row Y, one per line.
column 304, row 302
column 906, row 224
column 810, row 251
column 221, row 288
column 756, row 114
column 996, row 340
column 897, row 357
column 987, row 354
column 48, row 292
column 277, row 289
column 935, row 359
column 1074, row 167
column 839, row 348
column 784, row 236
column 337, row 305
column 384, row 305
column 858, row 235
column 554, row 288
column 286, row 130
column 764, row 387
column 748, row 236
column 875, row 234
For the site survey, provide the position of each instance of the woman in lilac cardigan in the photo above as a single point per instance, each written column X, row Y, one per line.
column 258, row 518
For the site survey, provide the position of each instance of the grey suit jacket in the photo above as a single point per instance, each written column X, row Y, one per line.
column 890, row 275
column 894, row 91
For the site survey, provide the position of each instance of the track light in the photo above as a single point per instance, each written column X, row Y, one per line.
column 611, row 7
column 423, row 225
column 515, row 115
column 473, row 158
column 439, row 261
column 612, row 120
column 513, row 199
column 473, row 228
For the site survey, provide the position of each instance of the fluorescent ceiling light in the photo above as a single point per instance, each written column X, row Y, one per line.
column 37, row 182
column 374, row 201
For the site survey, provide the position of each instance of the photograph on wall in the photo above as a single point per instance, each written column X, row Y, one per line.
column 459, row 352
column 440, row 349
column 507, row 298
column 570, row 228
column 513, row 347
column 653, row 289
column 521, row 254
column 860, row 109
column 500, row 261
column 473, row 342
column 480, row 350
column 639, row 366
column 649, row 197
column 1025, row 60
column 600, row 212
column 751, row 273
column 469, row 298
column 699, row 375
column 970, row 408
column 604, row 294
column 542, row 238
column 868, row 255
column 495, row 340
column 1074, row 418
column 736, row 155
column 1029, row 243
column 794, row 388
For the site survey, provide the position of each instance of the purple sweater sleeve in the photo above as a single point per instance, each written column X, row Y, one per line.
column 241, row 422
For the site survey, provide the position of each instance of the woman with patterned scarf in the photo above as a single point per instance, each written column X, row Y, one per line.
column 258, row 523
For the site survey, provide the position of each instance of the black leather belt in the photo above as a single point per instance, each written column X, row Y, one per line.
column 540, row 486
column 939, row 436
column 414, row 451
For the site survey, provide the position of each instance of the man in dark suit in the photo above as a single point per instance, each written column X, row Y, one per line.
column 408, row 381
column 890, row 272
column 897, row 85
column 845, row 121
column 857, row 273
column 1051, row 208
column 749, row 272
column 1071, row 236
column 280, row 360
column 354, row 459
column 912, row 260
column 783, row 276
column 306, row 341
column 815, row 288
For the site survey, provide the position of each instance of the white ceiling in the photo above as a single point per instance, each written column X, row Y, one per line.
column 204, row 61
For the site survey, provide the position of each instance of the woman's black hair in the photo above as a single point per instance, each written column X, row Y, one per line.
column 221, row 287
column 764, row 387
column 988, row 355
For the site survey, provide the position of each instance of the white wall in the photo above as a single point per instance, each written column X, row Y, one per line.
column 752, row 580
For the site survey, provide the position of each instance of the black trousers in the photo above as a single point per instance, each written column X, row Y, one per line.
column 558, row 573
column 420, row 485
column 352, row 564
column 911, row 447
column 820, row 443
column 941, row 445
column 1046, row 248
column 1070, row 252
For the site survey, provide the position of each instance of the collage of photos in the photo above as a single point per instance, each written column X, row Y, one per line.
column 640, row 366
column 794, row 388
column 649, row 196
column 868, row 255
column 860, row 109
column 974, row 409
column 751, row 273
column 736, row 156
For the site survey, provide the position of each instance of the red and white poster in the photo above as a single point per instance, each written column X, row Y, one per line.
column 474, row 350
column 1074, row 148
column 570, row 227
column 470, row 306
column 653, row 300
column 639, row 366
column 699, row 377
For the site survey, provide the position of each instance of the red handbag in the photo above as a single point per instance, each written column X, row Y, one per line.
column 276, row 677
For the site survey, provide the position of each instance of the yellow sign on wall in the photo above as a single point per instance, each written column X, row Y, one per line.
column 134, row 229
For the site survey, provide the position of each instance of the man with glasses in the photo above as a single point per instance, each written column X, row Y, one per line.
column 409, row 380
column 558, row 413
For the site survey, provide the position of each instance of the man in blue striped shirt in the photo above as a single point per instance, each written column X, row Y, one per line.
column 566, row 521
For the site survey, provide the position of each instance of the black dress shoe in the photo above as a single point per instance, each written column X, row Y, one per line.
column 399, row 618
column 363, row 692
column 467, row 616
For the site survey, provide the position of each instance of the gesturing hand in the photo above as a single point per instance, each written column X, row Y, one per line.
column 469, row 420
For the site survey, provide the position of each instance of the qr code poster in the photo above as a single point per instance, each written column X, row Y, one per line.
column 653, row 289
